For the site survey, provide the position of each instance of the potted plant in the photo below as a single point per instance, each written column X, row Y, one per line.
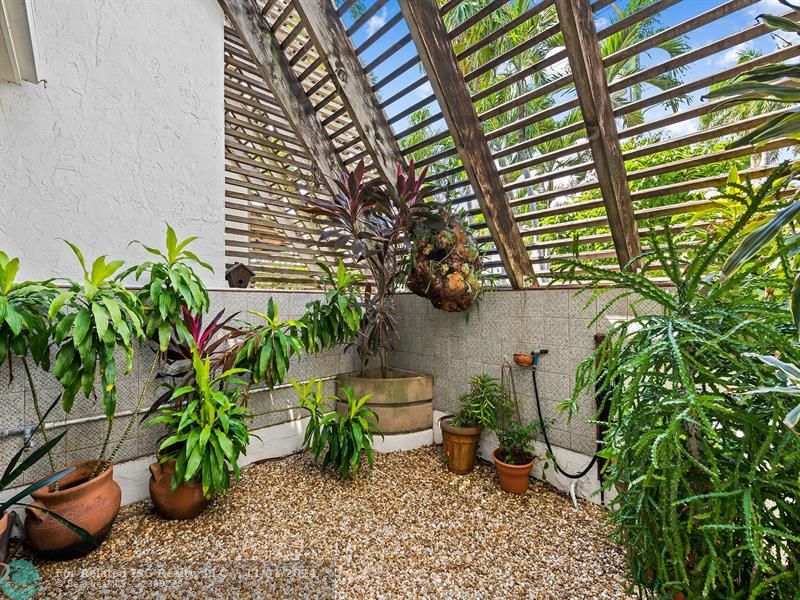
column 376, row 223
column 344, row 438
column 513, row 458
column 15, row 468
column 91, row 320
column 461, row 433
column 206, row 433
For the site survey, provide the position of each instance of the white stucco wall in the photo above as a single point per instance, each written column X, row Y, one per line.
column 126, row 134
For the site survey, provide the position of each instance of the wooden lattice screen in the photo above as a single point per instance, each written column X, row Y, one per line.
column 557, row 125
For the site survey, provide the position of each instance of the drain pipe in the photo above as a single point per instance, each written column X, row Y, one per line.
column 25, row 430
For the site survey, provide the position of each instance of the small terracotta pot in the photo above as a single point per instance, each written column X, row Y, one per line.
column 186, row 502
column 5, row 533
column 92, row 504
column 513, row 478
column 460, row 446
column 523, row 360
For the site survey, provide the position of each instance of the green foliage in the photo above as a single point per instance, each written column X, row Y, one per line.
column 771, row 85
column 172, row 285
column 343, row 438
column 479, row 405
column 24, row 325
column 92, row 319
column 206, row 429
column 267, row 348
column 709, row 473
column 514, row 437
column 335, row 320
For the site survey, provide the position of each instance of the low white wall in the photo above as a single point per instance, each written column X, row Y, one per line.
column 126, row 133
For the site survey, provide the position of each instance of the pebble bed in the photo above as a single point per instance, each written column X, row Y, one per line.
column 405, row 529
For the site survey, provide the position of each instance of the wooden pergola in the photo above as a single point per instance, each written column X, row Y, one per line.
column 302, row 105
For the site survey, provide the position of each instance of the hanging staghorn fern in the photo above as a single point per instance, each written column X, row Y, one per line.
column 708, row 475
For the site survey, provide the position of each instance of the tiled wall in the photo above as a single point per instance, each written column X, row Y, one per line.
column 453, row 348
column 83, row 440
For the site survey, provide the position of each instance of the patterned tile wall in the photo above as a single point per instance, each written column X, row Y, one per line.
column 453, row 348
column 84, row 440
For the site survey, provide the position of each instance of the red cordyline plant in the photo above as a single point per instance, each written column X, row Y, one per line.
column 376, row 222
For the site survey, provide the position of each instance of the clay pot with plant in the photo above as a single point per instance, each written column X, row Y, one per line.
column 461, row 433
column 206, row 432
column 514, row 457
column 375, row 222
column 90, row 322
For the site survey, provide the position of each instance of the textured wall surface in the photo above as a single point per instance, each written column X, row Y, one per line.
column 453, row 349
column 84, row 440
column 127, row 133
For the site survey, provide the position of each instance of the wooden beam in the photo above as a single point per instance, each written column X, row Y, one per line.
column 586, row 62
column 433, row 44
column 332, row 42
column 274, row 67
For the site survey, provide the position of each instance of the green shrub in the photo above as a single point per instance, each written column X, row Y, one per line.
column 343, row 438
column 709, row 473
column 479, row 405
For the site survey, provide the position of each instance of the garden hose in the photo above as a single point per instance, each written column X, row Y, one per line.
column 535, row 356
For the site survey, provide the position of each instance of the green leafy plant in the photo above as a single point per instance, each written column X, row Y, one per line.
column 344, row 438
column 207, row 430
column 515, row 439
column 707, row 473
column 101, row 316
column 335, row 320
column 775, row 83
column 172, row 285
column 479, row 405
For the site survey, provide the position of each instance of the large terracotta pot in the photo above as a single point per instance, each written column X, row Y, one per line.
column 186, row 502
column 403, row 401
column 514, row 479
column 460, row 446
column 92, row 504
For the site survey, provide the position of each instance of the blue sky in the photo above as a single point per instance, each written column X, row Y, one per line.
column 678, row 13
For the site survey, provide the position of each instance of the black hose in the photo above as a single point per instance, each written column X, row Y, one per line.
column 544, row 432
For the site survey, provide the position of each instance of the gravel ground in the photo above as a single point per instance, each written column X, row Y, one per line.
column 406, row 529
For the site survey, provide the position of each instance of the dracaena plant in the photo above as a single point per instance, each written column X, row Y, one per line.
column 341, row 439
column 206, row 428
column 91, row 320
column 336, row 319
column 172, row 286
column 709, row 472
column 376, row 223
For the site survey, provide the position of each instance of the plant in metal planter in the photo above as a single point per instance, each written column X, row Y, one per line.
column 376, row 224
column 343, row 437
column 461, row 432
column 708, row 502
column 206, row 433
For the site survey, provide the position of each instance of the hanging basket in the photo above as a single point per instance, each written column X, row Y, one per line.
column 446, row 269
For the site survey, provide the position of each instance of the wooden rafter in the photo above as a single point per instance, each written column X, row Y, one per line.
column 586, row 62
column 433, row 44
column 332, row 42
column 274, row 67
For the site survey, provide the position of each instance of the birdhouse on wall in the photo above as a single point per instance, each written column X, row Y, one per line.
column 239, row 275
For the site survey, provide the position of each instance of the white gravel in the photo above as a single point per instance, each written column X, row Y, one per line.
column 406, row 529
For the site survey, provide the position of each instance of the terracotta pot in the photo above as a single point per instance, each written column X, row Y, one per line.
column 460, row 446
column 5, row 533
column 186, row 502
column 92, row 504
column 523, row 360
column 513, row 478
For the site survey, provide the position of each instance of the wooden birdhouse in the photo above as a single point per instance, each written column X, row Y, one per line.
column 239, row 275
